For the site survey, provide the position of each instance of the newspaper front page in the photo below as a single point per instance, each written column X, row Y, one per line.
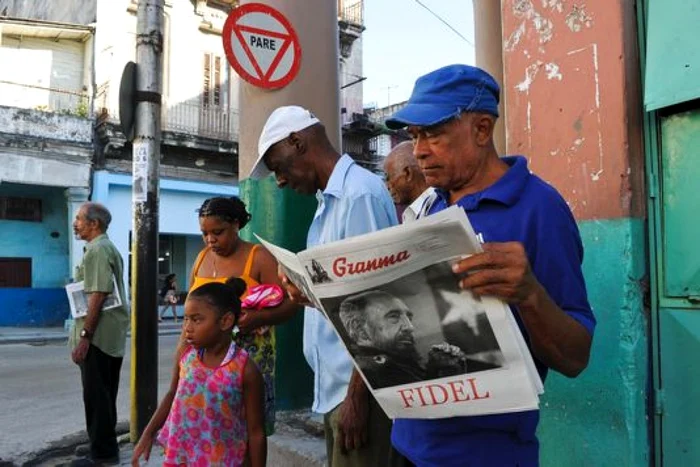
column 426, row 348
column 78, row 300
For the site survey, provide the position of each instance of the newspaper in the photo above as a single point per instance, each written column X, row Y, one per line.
column 78, row 301
column 425, row 348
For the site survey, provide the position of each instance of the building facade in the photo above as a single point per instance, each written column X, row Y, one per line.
column 63, row 135
column 603, row 99
column 45, row 163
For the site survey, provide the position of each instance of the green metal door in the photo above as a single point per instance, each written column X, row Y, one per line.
column 670, row 62
column 678, row 290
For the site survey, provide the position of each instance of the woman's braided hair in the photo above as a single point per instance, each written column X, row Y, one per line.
column 227, row 209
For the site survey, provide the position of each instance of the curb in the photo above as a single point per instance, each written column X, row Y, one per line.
column 65, row 446
column 298, row 442
column 39, row 339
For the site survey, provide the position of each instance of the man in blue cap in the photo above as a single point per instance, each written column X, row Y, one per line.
column 531, row 260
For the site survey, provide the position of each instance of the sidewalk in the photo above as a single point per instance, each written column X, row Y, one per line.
column 27, row 335
column 298, row 442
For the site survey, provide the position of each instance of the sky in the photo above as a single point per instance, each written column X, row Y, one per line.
column 402, row 43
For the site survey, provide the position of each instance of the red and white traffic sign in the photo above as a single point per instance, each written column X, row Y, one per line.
column 262, row 46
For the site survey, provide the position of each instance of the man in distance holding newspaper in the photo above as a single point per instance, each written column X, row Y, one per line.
column 98, row 339
column 531, row 260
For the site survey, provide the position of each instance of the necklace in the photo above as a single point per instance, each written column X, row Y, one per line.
column 235, row 247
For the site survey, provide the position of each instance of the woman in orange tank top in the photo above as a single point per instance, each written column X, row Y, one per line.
column 226, row 255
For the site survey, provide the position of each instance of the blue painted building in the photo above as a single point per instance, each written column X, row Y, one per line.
column 44, row 173
column 180, row 240
column 35, row 255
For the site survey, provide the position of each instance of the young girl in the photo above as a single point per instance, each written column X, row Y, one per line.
column 214, row 407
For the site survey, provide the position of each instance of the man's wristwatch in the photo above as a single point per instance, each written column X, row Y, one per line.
column 86, row 334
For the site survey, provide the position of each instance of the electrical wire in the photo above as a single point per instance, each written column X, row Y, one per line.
column 446, row 23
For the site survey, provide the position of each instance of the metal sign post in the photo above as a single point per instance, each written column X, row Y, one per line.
column 144, row 244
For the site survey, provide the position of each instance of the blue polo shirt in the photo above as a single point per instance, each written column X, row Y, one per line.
column 518, row 207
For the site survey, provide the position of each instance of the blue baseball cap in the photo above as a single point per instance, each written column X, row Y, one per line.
column 445, row 93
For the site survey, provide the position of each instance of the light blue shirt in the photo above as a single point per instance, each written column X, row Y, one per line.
column 354, row 202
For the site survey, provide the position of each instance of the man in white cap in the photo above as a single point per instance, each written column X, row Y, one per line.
column 352, row 201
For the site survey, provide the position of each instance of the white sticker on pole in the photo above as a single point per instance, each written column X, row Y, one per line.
column 140, row 172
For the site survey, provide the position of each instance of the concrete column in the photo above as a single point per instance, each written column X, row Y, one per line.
column 315, row 87
column 282, row 216
column 488, row 37
column 75, row 197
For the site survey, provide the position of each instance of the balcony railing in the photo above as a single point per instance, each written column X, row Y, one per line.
column 47, row 99
column 210, row 121
column 189, row 117
column 353, row 14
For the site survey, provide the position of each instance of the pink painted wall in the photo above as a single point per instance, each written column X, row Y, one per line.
column 571, row 90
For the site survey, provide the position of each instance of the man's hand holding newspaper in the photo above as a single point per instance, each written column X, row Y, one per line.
column 295, row 295
column 415, row 307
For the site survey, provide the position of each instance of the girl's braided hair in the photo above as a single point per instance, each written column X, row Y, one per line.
column 224, row 297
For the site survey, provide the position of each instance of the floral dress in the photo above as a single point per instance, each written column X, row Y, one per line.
column 206, row 425
column 259, row 345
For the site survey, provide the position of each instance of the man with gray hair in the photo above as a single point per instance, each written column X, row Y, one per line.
column 406, row 182
column 531, row 260
column 98, row 339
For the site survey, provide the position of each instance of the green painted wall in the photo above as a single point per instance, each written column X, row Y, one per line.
column 283, row 217
column 600, row 418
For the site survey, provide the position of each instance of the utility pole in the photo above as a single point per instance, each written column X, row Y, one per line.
column 388, row 93
column 283, row 216
column 144, row 244
column 488, row 33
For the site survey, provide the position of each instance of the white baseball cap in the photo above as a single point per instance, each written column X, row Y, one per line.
column 282, row 122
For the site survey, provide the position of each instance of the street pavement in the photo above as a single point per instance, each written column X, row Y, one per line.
column 41, row 409
column 288, row 447
column 40, row 394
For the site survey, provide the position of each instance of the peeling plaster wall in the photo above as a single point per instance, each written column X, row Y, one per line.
column 44, row 148
column 600, row 418
column 572, row 95
column 50, row 125
column 567, row 82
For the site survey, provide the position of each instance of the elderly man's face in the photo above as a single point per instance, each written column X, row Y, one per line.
column 389, row 326
column 447, row 153
column 290, row 167
column 396, row 182
column 83, row 229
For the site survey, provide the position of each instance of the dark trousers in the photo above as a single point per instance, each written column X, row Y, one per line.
column 100, row 375
column 396, row 459
column 374, row 453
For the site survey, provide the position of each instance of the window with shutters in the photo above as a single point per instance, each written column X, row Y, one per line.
column 214, row 117
column 20, row 209
column 211, row 92
column 15, row 272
